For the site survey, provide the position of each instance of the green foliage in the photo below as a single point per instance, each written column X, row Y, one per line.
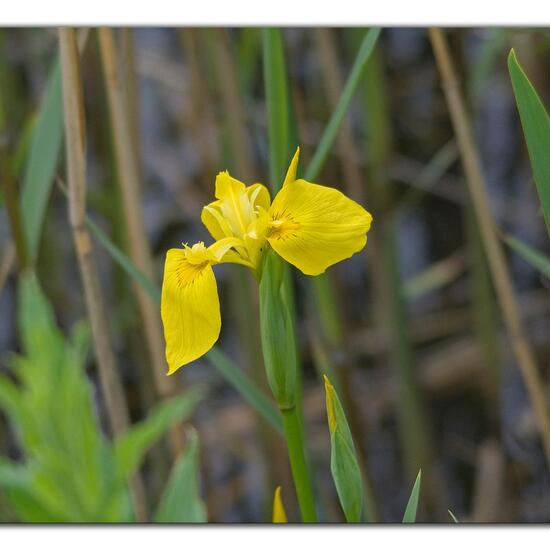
column 276, row 92
column 44, row 148
column 412, row 505
column 70, row 472
column 535, row 258
column 343, row 458
column 130, row 447
column 536, row 128
column 181, row 502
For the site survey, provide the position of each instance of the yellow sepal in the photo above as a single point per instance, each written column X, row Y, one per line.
column 190, row 309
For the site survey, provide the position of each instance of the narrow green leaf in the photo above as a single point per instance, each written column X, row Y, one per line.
column 537, row 259
column 277, row 105
column 248, row 390
column 343, row 459
column 331, row 131
column 123, row 261
column 131, row 446
column 40, row 167
column 181, row 501
column 536, row 128
column 412, row 505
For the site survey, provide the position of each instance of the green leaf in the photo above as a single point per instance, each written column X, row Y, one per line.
column 41, row 164
column 276, row 90
column 536, row 128
column 331, row 131
column 181, row 501
column 123, row 261
column 343, row 458
column 537, row 259
column 412, row 505
column 248, row 390
column 131, row 446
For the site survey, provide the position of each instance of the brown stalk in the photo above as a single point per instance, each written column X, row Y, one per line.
column 233, row 106
column 497, row 262
column 115, row 401
column 197, row 116
column 129, row 181
column 489, row 485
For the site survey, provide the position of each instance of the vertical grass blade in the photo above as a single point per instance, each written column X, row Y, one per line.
column 536, row 128
column 276, row 92
column 412, row 505
column 42, row 161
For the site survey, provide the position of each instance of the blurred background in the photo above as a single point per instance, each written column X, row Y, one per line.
column 409, row 329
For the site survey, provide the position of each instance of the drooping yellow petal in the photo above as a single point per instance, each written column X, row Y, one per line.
column 190, row 309
column 314, row 227
column 279, row 514
column 292, row 169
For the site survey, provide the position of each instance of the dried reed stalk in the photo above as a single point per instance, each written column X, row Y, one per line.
column 233, row 106
column 75, row 132
column 495, row 255
column 129, row 181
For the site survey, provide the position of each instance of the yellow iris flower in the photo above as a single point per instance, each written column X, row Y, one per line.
column 309, row 225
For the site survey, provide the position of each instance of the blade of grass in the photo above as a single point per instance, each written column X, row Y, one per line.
column 43, row 155
column 532, row 256
column 42, row 161
column 536, row 128
column 412, row 505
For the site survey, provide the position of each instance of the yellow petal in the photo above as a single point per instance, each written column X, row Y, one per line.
column 292, row 169
column 279, row 514
column 258, row 195
column 216, row 224
column 190, row 309
column 314, row 227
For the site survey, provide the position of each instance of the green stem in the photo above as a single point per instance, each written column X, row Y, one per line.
column 300, row 471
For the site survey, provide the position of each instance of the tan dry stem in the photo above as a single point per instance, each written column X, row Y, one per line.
column 111, row 386
column 497, row 262
column 130, row 187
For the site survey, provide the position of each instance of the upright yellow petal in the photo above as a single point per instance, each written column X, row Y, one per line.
column 279, row 514
column 190, row 309
column 314, row 227
column 292, row 169
column 213, row 220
